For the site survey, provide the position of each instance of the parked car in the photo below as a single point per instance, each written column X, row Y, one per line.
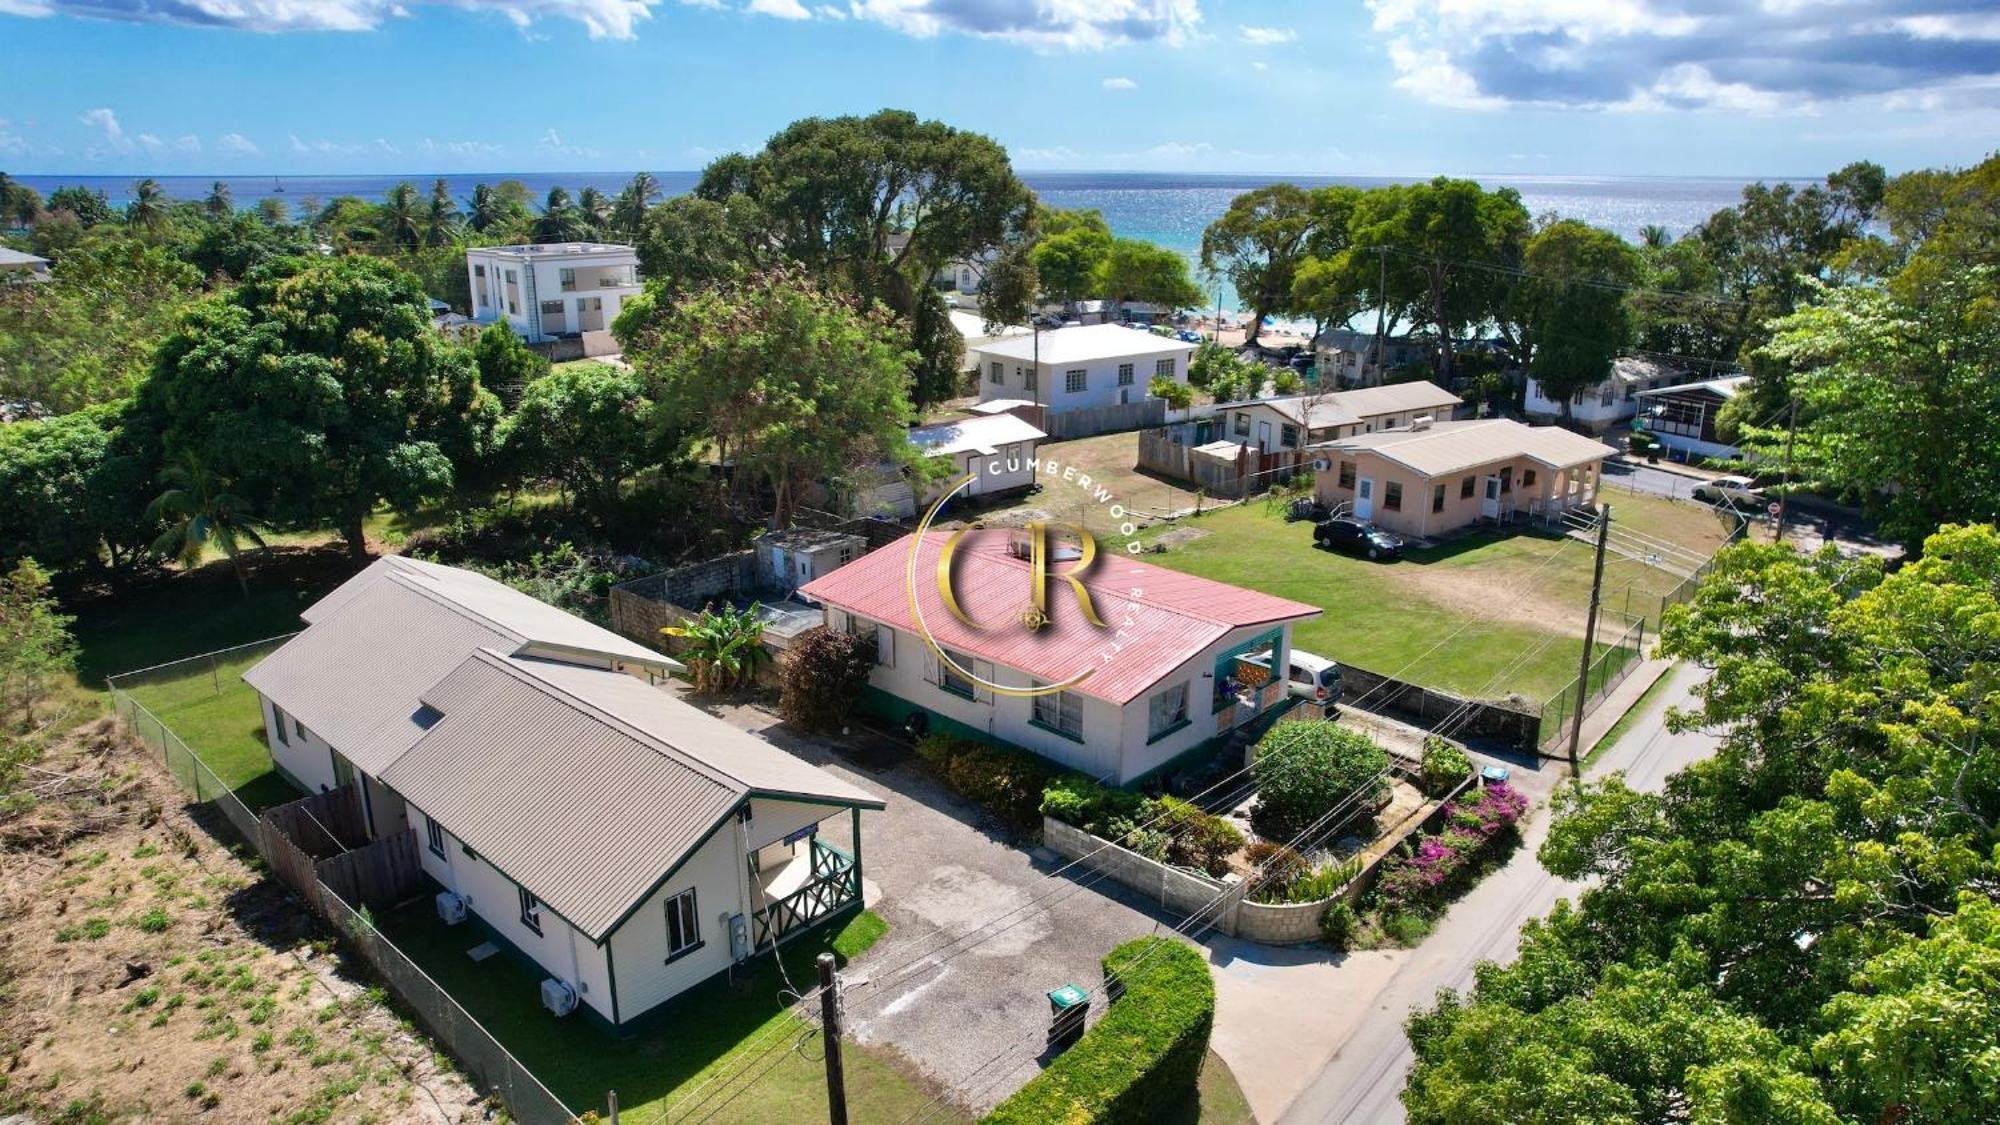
column 1734, row 491
column 1358, row 537
column 1310, row 675
column 1188, row 336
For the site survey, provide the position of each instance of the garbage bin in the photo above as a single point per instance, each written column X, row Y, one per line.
column 1069, row 1007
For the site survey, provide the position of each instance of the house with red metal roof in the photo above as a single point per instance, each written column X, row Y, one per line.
column 1169, row 661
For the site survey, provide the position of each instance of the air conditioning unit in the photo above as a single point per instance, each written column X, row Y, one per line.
column 558, row 997
column 451, row 908
column 1421, row 422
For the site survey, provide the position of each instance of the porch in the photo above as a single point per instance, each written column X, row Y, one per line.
column 802, row 889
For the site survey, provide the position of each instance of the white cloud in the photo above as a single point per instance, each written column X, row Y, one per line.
column 431, row 147
column 829, row 12
column 1780, row 56
column 382, row 144
column 781, row 9
column 237, row 143
column 603, row 19
column 1267, row 36
column 552, row 143
column 1045, row 25
column 106, row 122
column 322, row 147
column 1120, row 84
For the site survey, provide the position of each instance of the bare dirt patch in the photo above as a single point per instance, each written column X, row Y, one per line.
column 150, row 974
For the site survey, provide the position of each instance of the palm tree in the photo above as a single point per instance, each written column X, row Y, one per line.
column 596, row 209
column 441, row 220
column 560, row 221
column 1654, row 237
column 148, row 207
column 484, row 210
column 628, row 215
column 200, row 509
column 402, row 216
column 219, row 205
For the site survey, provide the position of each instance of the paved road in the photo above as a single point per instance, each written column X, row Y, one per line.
column 1640, row 477
column 1361, row 1081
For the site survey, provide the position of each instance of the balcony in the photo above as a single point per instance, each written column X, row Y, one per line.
column 804, row 891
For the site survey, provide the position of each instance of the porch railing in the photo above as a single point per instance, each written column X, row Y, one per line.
column 834, row 885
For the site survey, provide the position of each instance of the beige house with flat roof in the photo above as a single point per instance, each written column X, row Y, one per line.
column 1431, row 479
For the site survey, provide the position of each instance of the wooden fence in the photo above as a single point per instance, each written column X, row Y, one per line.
column 1168, row 452
column 1117, row 417
column 323, row 839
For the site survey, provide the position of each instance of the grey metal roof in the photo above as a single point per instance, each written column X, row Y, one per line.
column 587, row 786
column 373, row 644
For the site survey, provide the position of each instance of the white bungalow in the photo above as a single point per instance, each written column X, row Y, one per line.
column 628, row 844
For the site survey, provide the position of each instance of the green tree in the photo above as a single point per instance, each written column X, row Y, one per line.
column 823, row 675
column 272, row 212
column 1332, row 283
column 595, row 208
column 1571, row 306
column 796, row 384
column 483, row 211
column 71, row 491
column 20, row 205
column 1313, row 778
column 200, row 511
column 36, row 650
column 219, row 204
column 233, row 246
column 87, row 335
column 440, row 216
column 319, row 388
column 586, row 427
column 402, row 216
column 561, row 220
column 690, row 243
column 1179, row 395
column 1135, row 270
column 722, row 648
column 1258, row 243
column 147, row 209
column 628, row 213
column 91, row 208
column 1067, row 255
column 507, row 366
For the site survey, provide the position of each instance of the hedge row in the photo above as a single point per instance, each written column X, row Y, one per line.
column 1143, row 1059
column 1007, row 783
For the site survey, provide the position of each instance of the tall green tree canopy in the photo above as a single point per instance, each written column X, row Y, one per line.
column 1133, row 269
column 1258, row 244
column 1800, row 928
column 1571, row 305
column 319, row 388
column 793, row 382
column 586, row 427
column 73, row 491
column 1071, row 247
column 87, row 335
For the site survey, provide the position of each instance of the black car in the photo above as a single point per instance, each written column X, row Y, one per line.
column 1358, row 537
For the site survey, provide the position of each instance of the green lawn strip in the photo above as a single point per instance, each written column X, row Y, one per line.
column 1631, row 716
column 1220, row 1099
column 225, row 727
column 696, row 1038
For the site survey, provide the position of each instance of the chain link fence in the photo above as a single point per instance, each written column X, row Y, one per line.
column 478, row 1053
column 1607, row 670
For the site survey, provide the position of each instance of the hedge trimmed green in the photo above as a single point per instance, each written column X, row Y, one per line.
column 1143, row 1059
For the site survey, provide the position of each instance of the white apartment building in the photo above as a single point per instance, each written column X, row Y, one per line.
column 1076, row 368
column 554, row 290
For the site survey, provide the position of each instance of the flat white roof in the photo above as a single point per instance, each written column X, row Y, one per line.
column 979, row 435
column 1084, row 344
column 554, row 249
column 973, row 326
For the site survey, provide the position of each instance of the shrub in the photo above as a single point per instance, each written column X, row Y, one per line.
column 1143, row 1059
column 721, row 648
column 1483, row 825
column 1444, row 766
column 1006, row 782
column 1336, row 926
column 1197, row 839
column 1305, row 771
column 822, row 677
column 1078, row 800
column 1179, row 395
column 1281, row 867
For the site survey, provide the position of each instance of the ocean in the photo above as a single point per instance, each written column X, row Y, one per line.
column 1170, row 209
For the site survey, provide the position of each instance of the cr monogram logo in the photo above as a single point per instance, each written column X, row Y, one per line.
column 1036, row 615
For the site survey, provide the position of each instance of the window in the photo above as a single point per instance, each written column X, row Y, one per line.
column 1605, row 398
column 510, row 277
column 513, row 309
column 1527, row 478
column 1031, row 380
column 298, row 728
column 1507, row 479
column 434, row 836
column 1242, row 425
column 1075, row 381
column 278, row 725
column 1060, row 712
column 552, row 308
column 683, row 925
column 479, row 269
column 885, row 640
column 567, row 278
column 1437, row 498
column 1466, row 487
column 1164, row 367
column 1288, row 435
column 950, row 678
column 1347, row 474
column 997, row 375
column 1124, row 374
column 1392, row 496
column 1167, row 712
column 531, row 910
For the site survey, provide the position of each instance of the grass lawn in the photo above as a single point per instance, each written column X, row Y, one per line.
column 1526, row 618
column 695, row 1038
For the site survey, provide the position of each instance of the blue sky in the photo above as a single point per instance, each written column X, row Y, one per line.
column 1383, row 87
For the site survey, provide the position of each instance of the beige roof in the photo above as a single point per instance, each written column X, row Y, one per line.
column 1338, row 408
column 396, row 628
column 587, row 786
column 1449, row 447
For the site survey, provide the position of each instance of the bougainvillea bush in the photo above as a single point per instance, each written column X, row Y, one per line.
column 1479, row 827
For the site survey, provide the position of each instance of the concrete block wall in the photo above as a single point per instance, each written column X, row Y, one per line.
column 1513, row 724
column 1182, row 891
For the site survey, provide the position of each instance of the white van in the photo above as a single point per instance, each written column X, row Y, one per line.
column 1311, row 676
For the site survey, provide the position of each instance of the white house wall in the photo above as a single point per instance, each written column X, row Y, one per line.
column 305, row 757
column 562, row 951
column 719, row 873
column 1101, row 386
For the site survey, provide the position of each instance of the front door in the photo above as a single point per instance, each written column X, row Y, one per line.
column 1364, row 498
column 1489, row 505
column 1263, row 437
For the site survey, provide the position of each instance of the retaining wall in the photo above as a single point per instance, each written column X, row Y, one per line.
column 1508, row 723
column 1173, row 888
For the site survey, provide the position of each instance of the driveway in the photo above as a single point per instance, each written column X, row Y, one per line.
column 978, row 932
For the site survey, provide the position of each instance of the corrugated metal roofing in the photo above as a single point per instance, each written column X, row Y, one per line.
column 1083, row 344
column 1157, row 618
column 1449, row 447
column 1335, row 408
column 383, row 636
column 982, row 435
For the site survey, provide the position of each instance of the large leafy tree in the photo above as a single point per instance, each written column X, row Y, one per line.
column 794, row 382
column 1571, row 307
column 91, row 208
column 585, row 427
column 1258, row 244
column 1332, row 283
column 689, row 242
column 233, row 246
column 1071, row 247
column 319, row 388
column 1136, row 270
column 72, row 492
column 1800, row 928
column 87, row 335
column 506, row 364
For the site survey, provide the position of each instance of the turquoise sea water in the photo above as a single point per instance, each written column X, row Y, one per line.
column 1168, row 208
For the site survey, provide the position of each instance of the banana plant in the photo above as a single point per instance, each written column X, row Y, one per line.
column 722, row 648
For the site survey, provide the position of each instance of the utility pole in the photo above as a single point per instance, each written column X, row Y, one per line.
column 1589, row 645
column 829, row 1018
column 1785, row 490
column 1381, row 307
